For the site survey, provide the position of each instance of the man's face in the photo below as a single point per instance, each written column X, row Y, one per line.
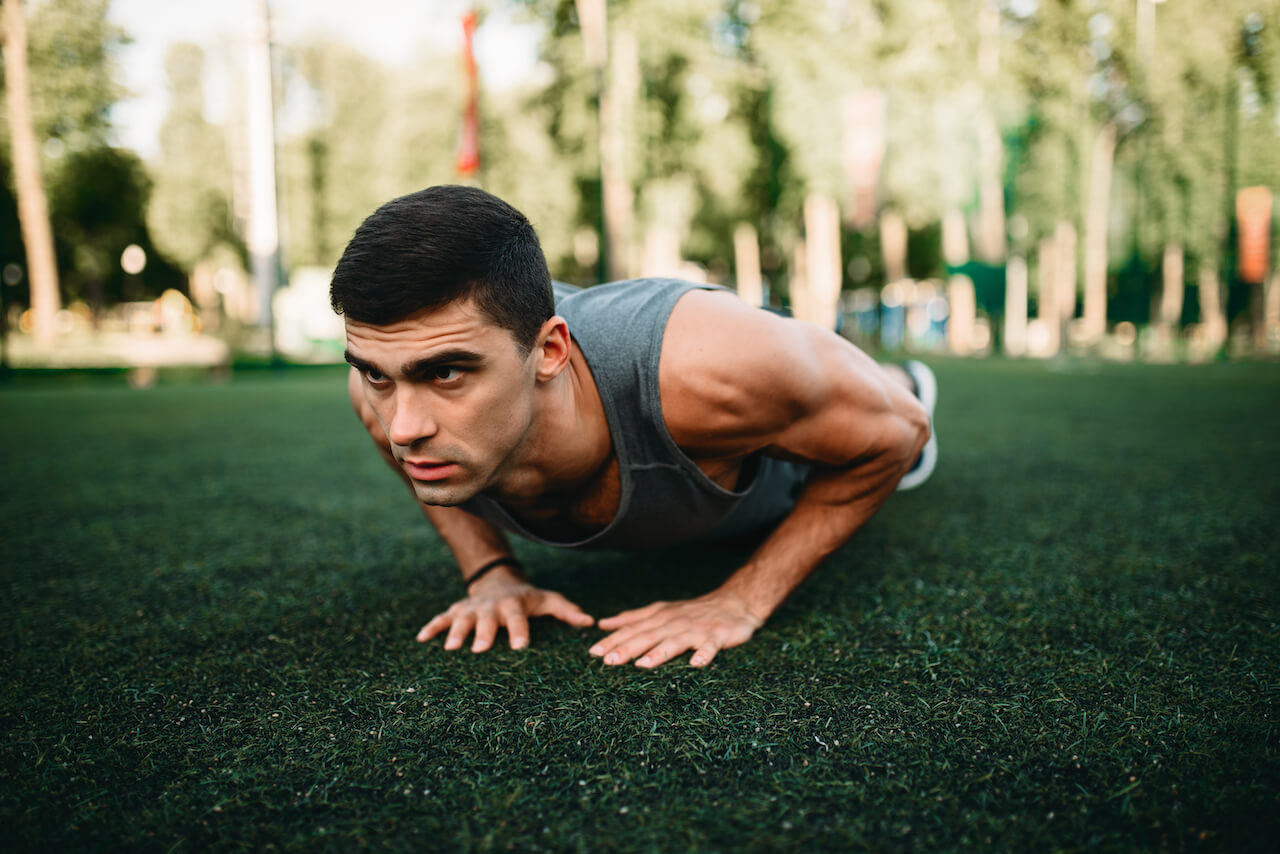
column 453, row 392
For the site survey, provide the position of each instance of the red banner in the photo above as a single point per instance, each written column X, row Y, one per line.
column 468, row 161
column 1253, row 217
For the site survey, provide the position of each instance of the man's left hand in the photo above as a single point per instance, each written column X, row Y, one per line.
column 661, row 631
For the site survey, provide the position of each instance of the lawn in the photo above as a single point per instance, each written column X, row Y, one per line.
column 1069, row 639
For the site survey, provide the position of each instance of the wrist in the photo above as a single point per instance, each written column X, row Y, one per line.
column 757, row 611
column 507, row 568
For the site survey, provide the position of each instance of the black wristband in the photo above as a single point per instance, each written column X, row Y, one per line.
column 493, row 564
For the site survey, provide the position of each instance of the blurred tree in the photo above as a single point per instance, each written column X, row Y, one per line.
column 73, row 86
column 98, row 208
column 357, row 132
column 190, row 208
column 74, row 79
column 33, row 212
column 342, row 154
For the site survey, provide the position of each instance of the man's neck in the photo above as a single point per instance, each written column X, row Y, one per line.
column 567, row 447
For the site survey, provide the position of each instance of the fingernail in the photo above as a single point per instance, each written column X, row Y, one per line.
column 644, row 662
column 452, row 644
column 696, row 661
column 519, row 643
column 596, row 650
column 611, row 658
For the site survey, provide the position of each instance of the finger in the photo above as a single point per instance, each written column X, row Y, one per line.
column 462, row 625
column 703, row 655
column 663, row 652
column 623, row 636
column 554, row 605
column 632, row 646
column 486, row 631
column 437, row 625
column 626, row 618
column 517, row 625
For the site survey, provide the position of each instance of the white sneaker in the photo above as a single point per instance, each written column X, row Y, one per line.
column 927, row 392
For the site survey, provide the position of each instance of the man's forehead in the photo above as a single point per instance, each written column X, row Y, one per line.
column 449, row 325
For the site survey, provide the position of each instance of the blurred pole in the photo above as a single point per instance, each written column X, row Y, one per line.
column 746, row 263
column 33, row 205
column 264, row 224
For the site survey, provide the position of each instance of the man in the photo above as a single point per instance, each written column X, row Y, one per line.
column 643, row 413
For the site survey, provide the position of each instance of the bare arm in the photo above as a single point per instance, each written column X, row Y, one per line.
column 740, row 381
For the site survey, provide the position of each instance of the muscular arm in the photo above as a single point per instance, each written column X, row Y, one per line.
column 736, row 381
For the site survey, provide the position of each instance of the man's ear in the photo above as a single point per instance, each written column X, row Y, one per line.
column 552, row 348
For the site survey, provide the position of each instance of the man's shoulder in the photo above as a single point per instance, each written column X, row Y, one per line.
column 731, row 374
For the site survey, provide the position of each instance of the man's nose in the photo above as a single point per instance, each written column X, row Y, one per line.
column 412, row 419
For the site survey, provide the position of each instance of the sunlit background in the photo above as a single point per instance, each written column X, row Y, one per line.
column 1021, row 177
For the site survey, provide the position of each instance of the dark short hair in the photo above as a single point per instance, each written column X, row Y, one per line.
column 433, row 247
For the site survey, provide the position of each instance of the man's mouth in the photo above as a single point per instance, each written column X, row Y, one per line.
column 428, row 470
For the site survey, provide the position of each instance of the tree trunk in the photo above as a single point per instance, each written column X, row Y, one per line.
column 616, row 98
column 822, row 242
column 1172, row 277
column 1271, row 321
column 963, row 316
column 955, row 240
column 1212, row 315
column 746, row 263
column 1095, row 234
column 1065, row 277
column 798, row 287
column 1050, row 301
column 33, row 207
column 1015, row 307
column 893, row 246
column 991, row 227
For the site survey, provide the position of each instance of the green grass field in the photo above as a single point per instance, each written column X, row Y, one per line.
column 1069, row 639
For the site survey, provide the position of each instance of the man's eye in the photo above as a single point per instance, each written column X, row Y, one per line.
column 446, row 373
column 373, row 376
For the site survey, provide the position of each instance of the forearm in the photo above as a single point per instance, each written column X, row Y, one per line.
column 473, row 541
column 832, row 507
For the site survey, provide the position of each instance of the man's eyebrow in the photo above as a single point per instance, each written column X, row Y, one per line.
column 420, row 367
column 355, row 361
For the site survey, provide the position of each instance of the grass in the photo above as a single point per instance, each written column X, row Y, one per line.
column 1069, row 640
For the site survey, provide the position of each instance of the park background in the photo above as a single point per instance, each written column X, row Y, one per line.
column 1068, row 640
column 966, row 177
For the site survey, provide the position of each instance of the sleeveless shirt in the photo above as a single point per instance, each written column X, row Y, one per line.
column 664, row 497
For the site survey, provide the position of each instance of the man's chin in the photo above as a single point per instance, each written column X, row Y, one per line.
column 443, row 495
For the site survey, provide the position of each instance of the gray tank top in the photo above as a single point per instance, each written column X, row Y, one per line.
column 665, row 498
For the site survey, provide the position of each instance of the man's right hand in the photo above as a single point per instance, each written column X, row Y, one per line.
column 501, row 600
